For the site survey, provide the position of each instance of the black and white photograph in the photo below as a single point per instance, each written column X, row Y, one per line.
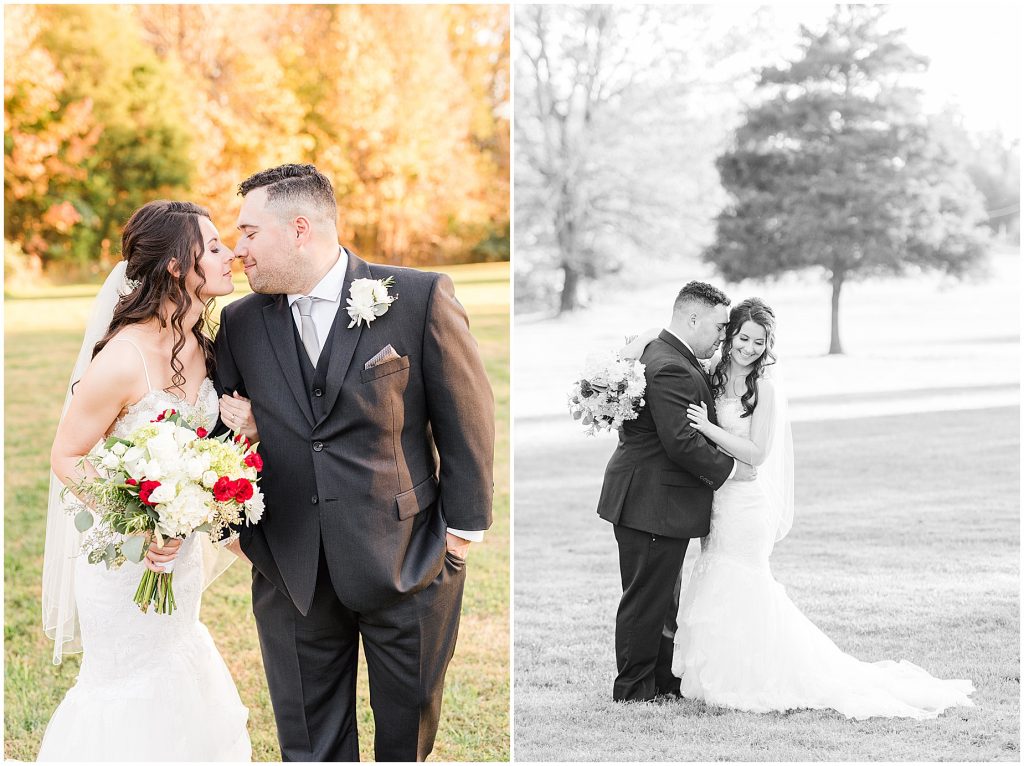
column 766, row 382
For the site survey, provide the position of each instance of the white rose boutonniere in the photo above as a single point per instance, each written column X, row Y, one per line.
column 369, row 299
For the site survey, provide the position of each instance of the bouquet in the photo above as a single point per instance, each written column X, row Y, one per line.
column 167, row 479
column 609, row 392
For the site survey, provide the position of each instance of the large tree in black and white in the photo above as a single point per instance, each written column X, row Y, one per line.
column 836, row 167
column 610, row 133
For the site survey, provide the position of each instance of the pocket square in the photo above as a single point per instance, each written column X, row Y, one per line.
column 386, row 354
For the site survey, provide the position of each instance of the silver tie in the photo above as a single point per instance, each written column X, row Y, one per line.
column 309, row 338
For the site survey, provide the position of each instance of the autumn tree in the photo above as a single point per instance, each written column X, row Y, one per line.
column 48, row 136
column 140, row 151
column 836, row 168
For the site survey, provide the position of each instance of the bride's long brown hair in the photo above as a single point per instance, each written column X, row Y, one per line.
column 753, row 310
column 157, row 234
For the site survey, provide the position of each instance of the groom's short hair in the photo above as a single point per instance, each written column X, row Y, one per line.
column 293, row 189
column 699, row 292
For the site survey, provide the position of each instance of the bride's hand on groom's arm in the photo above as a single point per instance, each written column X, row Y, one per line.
column 698, row 416
column 236, row 414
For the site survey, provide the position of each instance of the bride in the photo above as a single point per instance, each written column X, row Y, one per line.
column 740, row 642
column 151, row 686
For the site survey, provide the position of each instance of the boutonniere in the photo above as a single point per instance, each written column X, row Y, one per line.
column 369, row 299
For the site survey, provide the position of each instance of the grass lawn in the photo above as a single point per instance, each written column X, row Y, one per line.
column 42, row 336
column 905, row 546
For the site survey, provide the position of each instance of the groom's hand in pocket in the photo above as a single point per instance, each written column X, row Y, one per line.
column 456, row 545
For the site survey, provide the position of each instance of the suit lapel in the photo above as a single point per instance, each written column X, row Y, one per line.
column 280, row 326
column 679, row 346
column 345, row 338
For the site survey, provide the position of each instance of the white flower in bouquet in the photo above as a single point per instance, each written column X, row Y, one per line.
column 187, row 510
column 164, row 493
column 119, row 449
column 209, row 479
column 110, row 460
column 152, row 470
column 609, row 392
column 184, row 436
column 197, row 466
column 254, row 508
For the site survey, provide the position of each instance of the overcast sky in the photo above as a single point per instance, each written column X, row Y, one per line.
column 975, row 52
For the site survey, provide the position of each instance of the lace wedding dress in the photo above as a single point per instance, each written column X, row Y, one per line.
column 741, row 642
column 151, row 686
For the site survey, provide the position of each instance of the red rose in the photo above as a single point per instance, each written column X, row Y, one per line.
column 243, row 490
column 224, row 489
column 201, row 433
column 133, row 482
column 253, row 460
column 146, row 490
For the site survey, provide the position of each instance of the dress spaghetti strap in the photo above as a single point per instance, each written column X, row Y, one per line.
column 145, row 369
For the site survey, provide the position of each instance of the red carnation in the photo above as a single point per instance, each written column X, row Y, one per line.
column 146, row 490
column 224, row 489
column 243, row 490
column 133, row 482
column 201, row 432
column 163, row 415
column 253, row 460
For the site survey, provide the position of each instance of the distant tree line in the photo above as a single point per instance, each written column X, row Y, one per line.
column 405, row 108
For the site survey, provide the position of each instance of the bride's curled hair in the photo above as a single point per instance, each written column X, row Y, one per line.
column 160, row 233
column 749, row 310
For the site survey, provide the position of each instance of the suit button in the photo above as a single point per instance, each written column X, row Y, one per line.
column 314, row 500
column 318, row 446
column 318, row 392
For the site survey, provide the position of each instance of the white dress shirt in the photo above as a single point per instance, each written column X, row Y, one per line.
column 323, row 312
column 735, row 463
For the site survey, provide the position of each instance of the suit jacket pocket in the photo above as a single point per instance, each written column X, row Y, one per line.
column 387, row 368
column 418, row 498
column 680, row 479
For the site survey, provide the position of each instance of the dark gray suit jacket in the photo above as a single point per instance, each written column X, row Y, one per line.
column 402, row 448
column 663, row 473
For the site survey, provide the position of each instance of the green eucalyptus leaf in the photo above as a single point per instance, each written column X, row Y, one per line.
column 83, row 521
column 133, row 548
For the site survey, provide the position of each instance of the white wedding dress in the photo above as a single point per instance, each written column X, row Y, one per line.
column 741, row 643
column 152, row 687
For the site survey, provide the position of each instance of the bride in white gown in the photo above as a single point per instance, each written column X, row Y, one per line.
column 740, row 642
column 151, row 686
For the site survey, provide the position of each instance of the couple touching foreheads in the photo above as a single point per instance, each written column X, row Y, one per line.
column 375, row 422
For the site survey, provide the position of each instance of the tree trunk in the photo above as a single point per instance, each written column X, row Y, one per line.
column 570, row 289
column 836, row 347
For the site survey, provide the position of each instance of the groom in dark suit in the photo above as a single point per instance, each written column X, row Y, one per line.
column 376, row 423
column 658, row 488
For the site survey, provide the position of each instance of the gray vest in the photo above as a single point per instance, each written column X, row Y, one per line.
column 315, row 380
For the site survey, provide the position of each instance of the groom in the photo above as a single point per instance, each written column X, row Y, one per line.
column 364, row 535
column 658, row 488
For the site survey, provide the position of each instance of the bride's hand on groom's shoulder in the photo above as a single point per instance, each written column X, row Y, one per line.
column 635, row 344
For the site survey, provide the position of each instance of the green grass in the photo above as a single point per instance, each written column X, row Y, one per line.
column 43, row 332
column 905, row 546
